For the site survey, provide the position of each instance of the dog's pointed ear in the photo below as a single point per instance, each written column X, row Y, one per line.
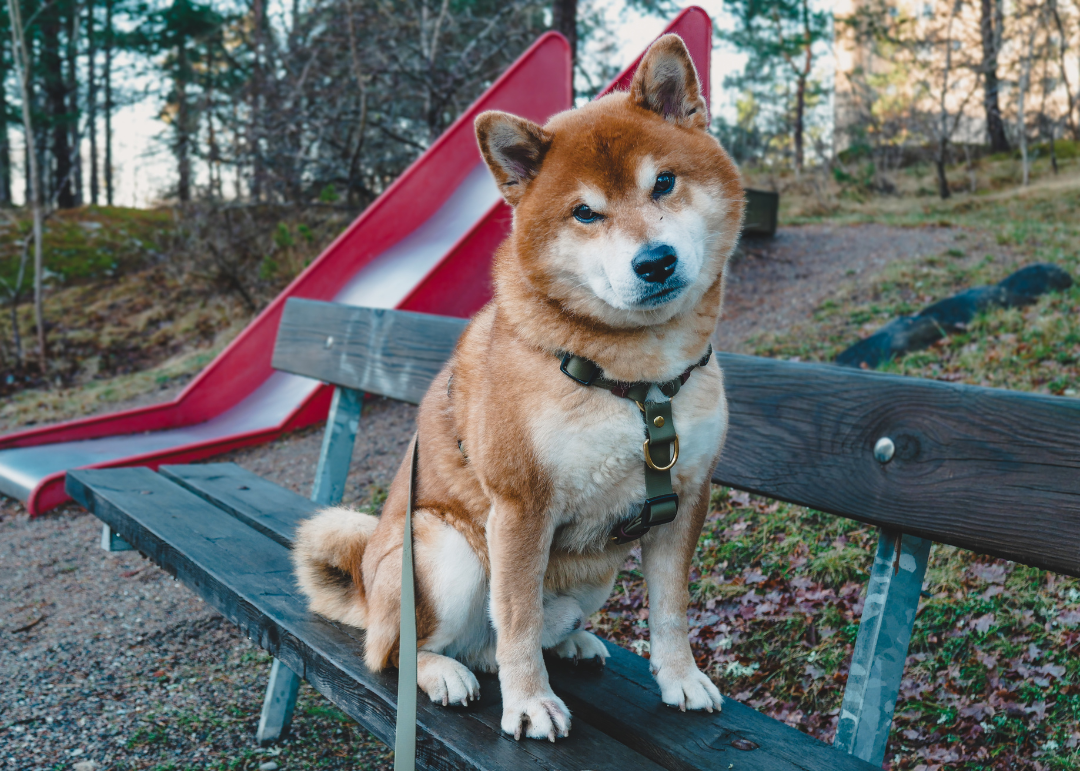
column 514, row 149
column 666, row 83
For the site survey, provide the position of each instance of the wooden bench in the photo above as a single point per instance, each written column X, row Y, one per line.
column 991, row 471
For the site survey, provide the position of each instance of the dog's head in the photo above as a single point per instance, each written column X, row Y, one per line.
column 625, row 209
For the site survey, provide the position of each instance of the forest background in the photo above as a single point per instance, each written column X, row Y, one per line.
column 282, row 121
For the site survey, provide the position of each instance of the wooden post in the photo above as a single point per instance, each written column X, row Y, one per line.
column 337, row 447
column 333, row 469
column 110, row 541
column 877, row 666
column 279, row 703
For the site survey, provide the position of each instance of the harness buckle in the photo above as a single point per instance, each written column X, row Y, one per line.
column 588, row 381
column 658, row 510
column 658, row 505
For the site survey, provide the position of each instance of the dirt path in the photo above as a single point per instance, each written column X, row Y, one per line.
column 105, row 660
column 775, row 283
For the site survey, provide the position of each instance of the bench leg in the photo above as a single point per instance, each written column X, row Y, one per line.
column 337, row 447
column 877, row 666
column 278, row 704
column 110, row 541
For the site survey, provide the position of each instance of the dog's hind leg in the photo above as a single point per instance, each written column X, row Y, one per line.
column 445, row 680
column 564, row 617
column 451, row 608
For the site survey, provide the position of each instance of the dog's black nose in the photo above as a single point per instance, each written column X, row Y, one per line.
column 655, row 263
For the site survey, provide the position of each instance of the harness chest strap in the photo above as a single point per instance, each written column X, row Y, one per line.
column 661, row 445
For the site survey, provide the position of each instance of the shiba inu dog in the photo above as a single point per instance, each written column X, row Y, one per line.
column 532, row 480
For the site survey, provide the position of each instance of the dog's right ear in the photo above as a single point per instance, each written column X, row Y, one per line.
column 667, row 84
column 514, row 149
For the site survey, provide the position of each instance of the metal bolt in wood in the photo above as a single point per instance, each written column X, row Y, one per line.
column 884, row 449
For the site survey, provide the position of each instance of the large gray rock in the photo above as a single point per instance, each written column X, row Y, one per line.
column 953, row 314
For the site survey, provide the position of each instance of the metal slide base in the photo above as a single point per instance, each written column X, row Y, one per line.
column 382, row 283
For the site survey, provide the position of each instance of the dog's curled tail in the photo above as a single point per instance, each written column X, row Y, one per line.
column 327, row 555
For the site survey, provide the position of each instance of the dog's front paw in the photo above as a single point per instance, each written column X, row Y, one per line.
column 582, row 646
column 688, row 687
column 542, row 716
column 446, row 680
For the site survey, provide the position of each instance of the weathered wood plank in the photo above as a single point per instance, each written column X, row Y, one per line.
column 390, row 353
column 877, row 665
column 619, row 701
column 248, row 578
column 342, row 422
column 993, row 471
column 272, row 510
column 622, row 700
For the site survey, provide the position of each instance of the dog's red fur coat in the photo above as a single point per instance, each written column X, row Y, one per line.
column 511, row 527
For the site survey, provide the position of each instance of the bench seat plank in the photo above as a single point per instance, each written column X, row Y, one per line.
column 269, row 508
column 622, row 700
column 248, row 577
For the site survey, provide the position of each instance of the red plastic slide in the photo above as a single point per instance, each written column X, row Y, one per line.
column 425, row 245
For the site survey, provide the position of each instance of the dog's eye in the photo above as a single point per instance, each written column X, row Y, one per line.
column 665, row 183
column 583, row 213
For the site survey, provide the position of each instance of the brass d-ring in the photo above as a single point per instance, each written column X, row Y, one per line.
column 649, row 460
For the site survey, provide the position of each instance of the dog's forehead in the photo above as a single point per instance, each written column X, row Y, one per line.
column 608, row 151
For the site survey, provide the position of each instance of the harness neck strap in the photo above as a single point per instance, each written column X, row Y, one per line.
column 661, row 445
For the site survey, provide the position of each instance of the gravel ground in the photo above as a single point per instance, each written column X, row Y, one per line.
column 107, row 663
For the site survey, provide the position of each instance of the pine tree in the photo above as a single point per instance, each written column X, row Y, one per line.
column 186, row 32
column 780, row 37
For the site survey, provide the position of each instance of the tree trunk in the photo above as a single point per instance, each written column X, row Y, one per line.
column 22, row 70
column 183, row 128
column 1022, row 87
column 57, row 105
column 1053, row 150
column 800, row 110
column 29, row 146
column 1063, row 43
column 564, row 21
column 108, row 101
column 991, row 45
column 71, row 55
column 254, row 130
column 939, row 162
column 800, row 93
column 91, row 100
column 1021, row 120
column 5, row 142
column 213, row 156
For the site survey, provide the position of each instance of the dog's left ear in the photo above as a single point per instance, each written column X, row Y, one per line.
column 667, row 83
column 514, row 149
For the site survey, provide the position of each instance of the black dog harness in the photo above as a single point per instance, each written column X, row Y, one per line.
column 661, row 444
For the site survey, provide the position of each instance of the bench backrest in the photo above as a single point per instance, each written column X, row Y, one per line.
column 993, row 471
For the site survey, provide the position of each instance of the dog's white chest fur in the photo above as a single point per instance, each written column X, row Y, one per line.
column 590, row 445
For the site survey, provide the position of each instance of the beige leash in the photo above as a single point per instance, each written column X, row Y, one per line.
column 405, row 731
